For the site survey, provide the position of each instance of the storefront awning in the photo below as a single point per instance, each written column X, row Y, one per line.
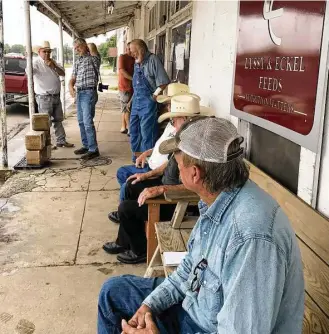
column 88, row 18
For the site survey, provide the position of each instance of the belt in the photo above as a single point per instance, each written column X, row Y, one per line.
column 47, row 94
column 86, row 88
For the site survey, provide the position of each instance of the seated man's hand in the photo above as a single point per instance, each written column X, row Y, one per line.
column 150, row 193
column 138, row 320
column 138, row 177
column 149, row 328
column 141, row 160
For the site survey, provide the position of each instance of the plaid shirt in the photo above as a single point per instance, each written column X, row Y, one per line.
column 86, row 71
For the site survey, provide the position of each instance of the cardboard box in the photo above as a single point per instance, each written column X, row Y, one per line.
column 35, row 140
column 40, row 122
column 36, row 157
column 48, row 137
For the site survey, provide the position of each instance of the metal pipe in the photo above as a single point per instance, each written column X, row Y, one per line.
column 3, row 94
column 61, row 59
column 29, row 66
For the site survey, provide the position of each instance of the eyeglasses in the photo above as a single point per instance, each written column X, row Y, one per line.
column 198, row 270
column 46, row 51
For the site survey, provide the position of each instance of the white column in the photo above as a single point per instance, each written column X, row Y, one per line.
column 3, row 94
column 73, row 52
column 61, row 61
column 29, row 59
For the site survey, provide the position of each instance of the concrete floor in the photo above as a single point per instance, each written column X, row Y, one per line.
column 53, row 223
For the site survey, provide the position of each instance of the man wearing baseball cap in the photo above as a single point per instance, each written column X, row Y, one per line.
column 243, row 270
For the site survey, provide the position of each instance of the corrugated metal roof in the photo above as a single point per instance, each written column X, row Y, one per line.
column 89, row 18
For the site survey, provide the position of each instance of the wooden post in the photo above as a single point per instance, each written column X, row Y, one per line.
column 61, row 60
column 153, row 217
column 29, row 66
column 3, row 94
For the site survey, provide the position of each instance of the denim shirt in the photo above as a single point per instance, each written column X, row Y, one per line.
column 253, row 282
column 154, row 71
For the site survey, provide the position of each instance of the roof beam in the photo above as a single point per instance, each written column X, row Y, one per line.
column 53, row 9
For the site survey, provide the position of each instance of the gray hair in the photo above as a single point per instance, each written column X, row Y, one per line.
column 221, row 176
column 79, row 41
column 140, row 43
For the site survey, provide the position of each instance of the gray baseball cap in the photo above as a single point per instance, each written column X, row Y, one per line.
column 206, row 139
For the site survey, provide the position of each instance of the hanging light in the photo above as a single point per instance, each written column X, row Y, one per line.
column 110, row 7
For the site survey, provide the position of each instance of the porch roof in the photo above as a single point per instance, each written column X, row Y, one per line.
column 88, row 18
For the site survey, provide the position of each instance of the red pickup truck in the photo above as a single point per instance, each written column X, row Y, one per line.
column 15, row 79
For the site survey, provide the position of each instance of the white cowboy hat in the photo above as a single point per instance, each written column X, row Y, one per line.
column 45, row 45
column 174, row 89
column 186, row 106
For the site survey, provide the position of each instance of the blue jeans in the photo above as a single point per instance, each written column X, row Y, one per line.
column 86, row 102
column 120, row 298
column 143, row 129
column 124, row 172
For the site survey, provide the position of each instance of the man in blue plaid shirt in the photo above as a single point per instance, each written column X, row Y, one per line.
column 83, row 84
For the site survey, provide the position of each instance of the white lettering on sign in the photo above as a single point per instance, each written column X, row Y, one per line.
column 270, row 14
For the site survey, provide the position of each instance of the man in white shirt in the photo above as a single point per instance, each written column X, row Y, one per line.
column 47, row 87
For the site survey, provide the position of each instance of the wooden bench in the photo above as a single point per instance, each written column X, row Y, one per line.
column 182, row 199
column 312, row 231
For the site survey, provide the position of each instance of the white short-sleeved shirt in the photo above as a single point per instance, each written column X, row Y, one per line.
column 46, row 80
column 157, row 159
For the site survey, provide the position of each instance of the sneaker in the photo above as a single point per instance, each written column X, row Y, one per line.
column 90, row 155
column 65, row 144
column 81, row 150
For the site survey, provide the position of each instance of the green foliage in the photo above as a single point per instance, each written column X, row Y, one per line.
column 104, row 48
column 16, row 48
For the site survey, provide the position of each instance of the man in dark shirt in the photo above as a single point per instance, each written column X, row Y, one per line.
column 126, row 71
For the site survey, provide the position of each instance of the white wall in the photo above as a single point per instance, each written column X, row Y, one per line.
column 213, row 42
column 323, row 195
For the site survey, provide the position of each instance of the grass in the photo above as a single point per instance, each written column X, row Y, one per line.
column 107, row 67
column 113, row 88
column 68, row 65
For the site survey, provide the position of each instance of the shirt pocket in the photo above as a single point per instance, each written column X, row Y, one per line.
column 210, row 298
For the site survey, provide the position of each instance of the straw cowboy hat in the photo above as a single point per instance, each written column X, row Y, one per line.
column 174, row 89
column 45, row 45
column 186, row 106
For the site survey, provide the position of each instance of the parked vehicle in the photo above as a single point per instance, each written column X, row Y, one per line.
column 16, row 79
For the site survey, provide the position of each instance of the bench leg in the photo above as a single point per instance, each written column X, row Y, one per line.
column 178, row 215
column 155, row 268
column 153, row 217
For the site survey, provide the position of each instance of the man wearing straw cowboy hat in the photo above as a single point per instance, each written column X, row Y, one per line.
column 152, row 158
column 130, row 244
column 47, row 87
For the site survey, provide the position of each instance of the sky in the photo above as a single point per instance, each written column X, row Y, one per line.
column 43, row 29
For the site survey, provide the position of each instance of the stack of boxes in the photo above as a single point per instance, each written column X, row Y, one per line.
column 38, row 141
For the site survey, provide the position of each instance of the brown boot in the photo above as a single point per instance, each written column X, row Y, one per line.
column 65, row 144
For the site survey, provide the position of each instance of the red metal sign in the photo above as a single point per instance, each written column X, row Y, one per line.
column 277, row 62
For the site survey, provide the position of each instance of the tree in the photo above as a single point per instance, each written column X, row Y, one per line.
column 103, row 49
column 18, row 48
column 68, row 54
column 7, row 48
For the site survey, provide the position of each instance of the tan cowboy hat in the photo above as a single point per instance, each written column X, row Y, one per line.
column 174, row 89
column 186, row 105
column 45, row 45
